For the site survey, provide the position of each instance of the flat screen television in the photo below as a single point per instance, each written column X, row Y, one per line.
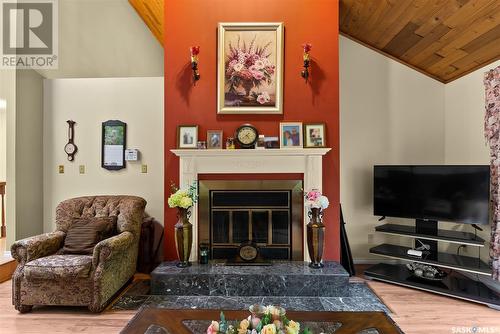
column 441, row 193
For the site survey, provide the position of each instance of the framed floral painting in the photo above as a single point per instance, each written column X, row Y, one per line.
column 250, row 68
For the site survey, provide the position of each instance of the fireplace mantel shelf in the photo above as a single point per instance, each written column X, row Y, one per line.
column 256, row 152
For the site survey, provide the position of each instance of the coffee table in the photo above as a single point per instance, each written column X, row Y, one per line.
column 165, row 321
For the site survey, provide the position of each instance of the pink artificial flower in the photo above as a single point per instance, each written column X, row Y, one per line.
column 307, row 47
column 210, row 330
column 195, row 50
column 255, row 322
column 213, row 328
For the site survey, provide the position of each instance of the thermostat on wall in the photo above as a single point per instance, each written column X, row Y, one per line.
column 132, row 155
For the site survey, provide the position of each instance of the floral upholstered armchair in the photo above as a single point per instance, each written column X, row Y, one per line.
column 47, row 276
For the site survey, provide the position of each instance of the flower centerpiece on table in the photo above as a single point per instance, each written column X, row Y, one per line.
column 248, row 66
column 315, row 203
column 183, row 200
column 271, row 321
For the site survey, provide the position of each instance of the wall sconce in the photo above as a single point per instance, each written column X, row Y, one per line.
column 195, row 50
column 305, row 72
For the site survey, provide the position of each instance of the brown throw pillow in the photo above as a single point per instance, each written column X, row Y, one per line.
column 84, row 234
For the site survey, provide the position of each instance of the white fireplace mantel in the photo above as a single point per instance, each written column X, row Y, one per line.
column 308, row 161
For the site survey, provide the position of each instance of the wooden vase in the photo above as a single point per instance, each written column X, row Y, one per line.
column 183, row 237
column 315, row 238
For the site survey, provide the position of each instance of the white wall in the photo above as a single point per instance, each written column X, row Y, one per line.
column 389, row 114
column 89, row 102
column 104, row 39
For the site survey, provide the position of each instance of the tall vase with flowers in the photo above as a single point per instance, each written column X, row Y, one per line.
column 183, row 200
column 315, row 203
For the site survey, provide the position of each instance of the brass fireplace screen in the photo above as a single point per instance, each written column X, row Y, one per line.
column 265, row 212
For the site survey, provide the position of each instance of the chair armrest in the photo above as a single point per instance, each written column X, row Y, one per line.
column 32, row 248
column 108, row 248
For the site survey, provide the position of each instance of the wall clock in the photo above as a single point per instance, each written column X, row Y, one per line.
column 247, row 135
column 70, row 148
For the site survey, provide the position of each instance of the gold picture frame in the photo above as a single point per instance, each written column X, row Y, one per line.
column 314, row 135
column 250, row 68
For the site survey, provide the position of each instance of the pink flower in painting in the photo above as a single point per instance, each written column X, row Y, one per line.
column 259, row 64
column 266, row 96
column 258, row 75
column 238, row 67
column 246, row 75
column 261, row 99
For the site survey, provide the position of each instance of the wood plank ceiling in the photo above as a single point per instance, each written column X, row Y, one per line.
column 151, row 12
column 444, row 39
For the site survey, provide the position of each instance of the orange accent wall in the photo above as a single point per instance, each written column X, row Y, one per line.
column 194, row 22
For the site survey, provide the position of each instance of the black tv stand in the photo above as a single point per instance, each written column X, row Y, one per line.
column 455, row 284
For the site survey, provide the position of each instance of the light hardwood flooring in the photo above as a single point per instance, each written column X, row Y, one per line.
column 414, row 311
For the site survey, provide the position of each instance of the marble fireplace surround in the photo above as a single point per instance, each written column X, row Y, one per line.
column 307, row 161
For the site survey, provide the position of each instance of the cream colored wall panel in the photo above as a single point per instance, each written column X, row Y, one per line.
column 89, row 102
column 389, row 114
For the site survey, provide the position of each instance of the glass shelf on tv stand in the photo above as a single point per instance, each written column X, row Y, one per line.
column 456, row 237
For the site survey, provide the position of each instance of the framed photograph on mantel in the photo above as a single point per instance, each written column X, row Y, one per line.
column 250, row 68
column 314, row 135
column 187, row 136
column 291, row 135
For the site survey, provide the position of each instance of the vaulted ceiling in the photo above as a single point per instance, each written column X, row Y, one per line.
column 444, row 39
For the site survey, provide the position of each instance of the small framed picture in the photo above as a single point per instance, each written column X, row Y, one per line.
column 314, row 134
column 187, row 136
column 214, row 139
column 291, row 135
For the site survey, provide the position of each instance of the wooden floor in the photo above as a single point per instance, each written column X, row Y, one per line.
column 414, row 311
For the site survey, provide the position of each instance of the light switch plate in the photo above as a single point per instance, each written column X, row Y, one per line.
column 61, row 169
column 144, row 168
column 82, row 169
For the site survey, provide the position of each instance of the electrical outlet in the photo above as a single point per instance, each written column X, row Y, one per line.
column 61, row 169
column 82, row 169
column 144, row 169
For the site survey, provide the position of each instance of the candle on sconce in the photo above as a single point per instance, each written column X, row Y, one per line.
column 195, row 51
column 306, row 57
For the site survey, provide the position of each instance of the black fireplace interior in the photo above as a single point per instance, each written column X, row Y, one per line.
column 261, row 216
